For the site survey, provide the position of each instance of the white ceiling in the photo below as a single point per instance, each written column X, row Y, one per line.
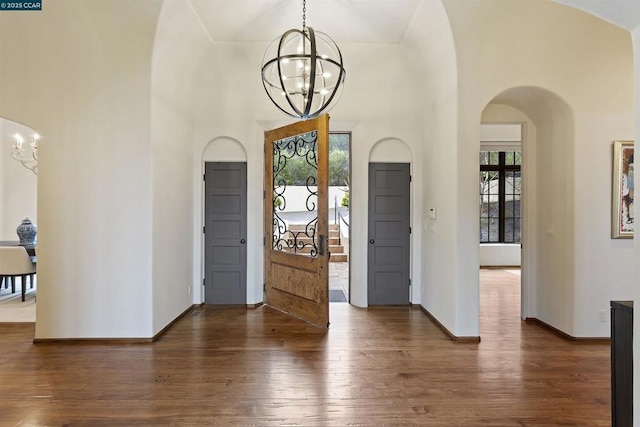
column 346, row 21
column 624, row 13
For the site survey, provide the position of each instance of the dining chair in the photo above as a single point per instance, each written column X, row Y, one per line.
column 15, row 262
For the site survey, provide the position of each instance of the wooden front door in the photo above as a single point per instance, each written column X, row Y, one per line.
column 296, row 220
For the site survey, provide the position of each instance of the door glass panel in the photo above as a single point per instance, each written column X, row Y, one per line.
column 295, row 194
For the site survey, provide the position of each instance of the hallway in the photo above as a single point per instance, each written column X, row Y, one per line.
column 378, row 366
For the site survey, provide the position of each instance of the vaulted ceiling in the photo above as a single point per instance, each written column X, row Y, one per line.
column 624, row 13
column 352, row 21
column 346, row 21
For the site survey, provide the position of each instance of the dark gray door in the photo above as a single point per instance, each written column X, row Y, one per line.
column 389, row 230
column 225, row 233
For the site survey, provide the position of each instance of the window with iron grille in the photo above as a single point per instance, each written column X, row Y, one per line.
column 500, row 196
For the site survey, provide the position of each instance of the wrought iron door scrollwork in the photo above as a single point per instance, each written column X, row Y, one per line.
column 284, row 152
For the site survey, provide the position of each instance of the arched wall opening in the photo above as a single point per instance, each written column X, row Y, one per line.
column 220, row 149
column 501, row 114
column 18, row 185
column 393, row 150
column 224, row 149
column 548, row 169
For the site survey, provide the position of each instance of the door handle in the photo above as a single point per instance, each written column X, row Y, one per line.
column 372, row 241
column 321, row 245
column 243, row 241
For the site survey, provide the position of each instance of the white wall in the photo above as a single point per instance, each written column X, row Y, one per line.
column 18, row 185
column 113, row 161
column 578, row 109
column 390, row 151
column 232, row 104
column 499, row 255
column 430, row 53
column 224, row 118
column 81, row 76
column 626, row 15
column 174, row 87
column 224, row 150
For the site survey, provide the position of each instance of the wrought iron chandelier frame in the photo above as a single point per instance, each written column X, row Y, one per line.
column 302, row 98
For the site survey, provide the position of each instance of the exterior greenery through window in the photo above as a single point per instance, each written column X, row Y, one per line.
column 500, row 196
column 298, row 170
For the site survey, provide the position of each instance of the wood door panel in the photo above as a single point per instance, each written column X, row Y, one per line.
column 309, row 311
column 297, row 279
column 301, row 262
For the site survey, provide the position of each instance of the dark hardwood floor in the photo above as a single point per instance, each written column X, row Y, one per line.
column 375, row 367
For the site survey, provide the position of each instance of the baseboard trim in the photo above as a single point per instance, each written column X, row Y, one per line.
column 565, row 335
column 89, row 341
column 499, row 267
column 462, row 340
column 164, row 330
column 153, row 339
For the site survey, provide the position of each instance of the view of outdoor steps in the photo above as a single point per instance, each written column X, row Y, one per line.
column 338, row 253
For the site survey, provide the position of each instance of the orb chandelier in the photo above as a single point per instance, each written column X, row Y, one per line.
column 302, row 71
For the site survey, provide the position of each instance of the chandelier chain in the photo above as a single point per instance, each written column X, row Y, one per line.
column 304, row 15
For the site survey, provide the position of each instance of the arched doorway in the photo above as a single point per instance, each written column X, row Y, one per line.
column 389, row 259
column 18, row 193
column 224, row 209
column 547, row 233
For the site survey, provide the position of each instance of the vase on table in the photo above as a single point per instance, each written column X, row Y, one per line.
column 27, row 232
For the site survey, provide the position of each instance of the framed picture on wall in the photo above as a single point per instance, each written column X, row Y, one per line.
column 622, row 215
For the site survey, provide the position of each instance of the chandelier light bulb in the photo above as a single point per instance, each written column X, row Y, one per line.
column 19, row 141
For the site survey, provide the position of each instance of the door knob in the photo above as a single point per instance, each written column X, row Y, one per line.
column 372, row 241
column 242, row 241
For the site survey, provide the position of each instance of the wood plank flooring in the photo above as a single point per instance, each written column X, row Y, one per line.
column 373, row 367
